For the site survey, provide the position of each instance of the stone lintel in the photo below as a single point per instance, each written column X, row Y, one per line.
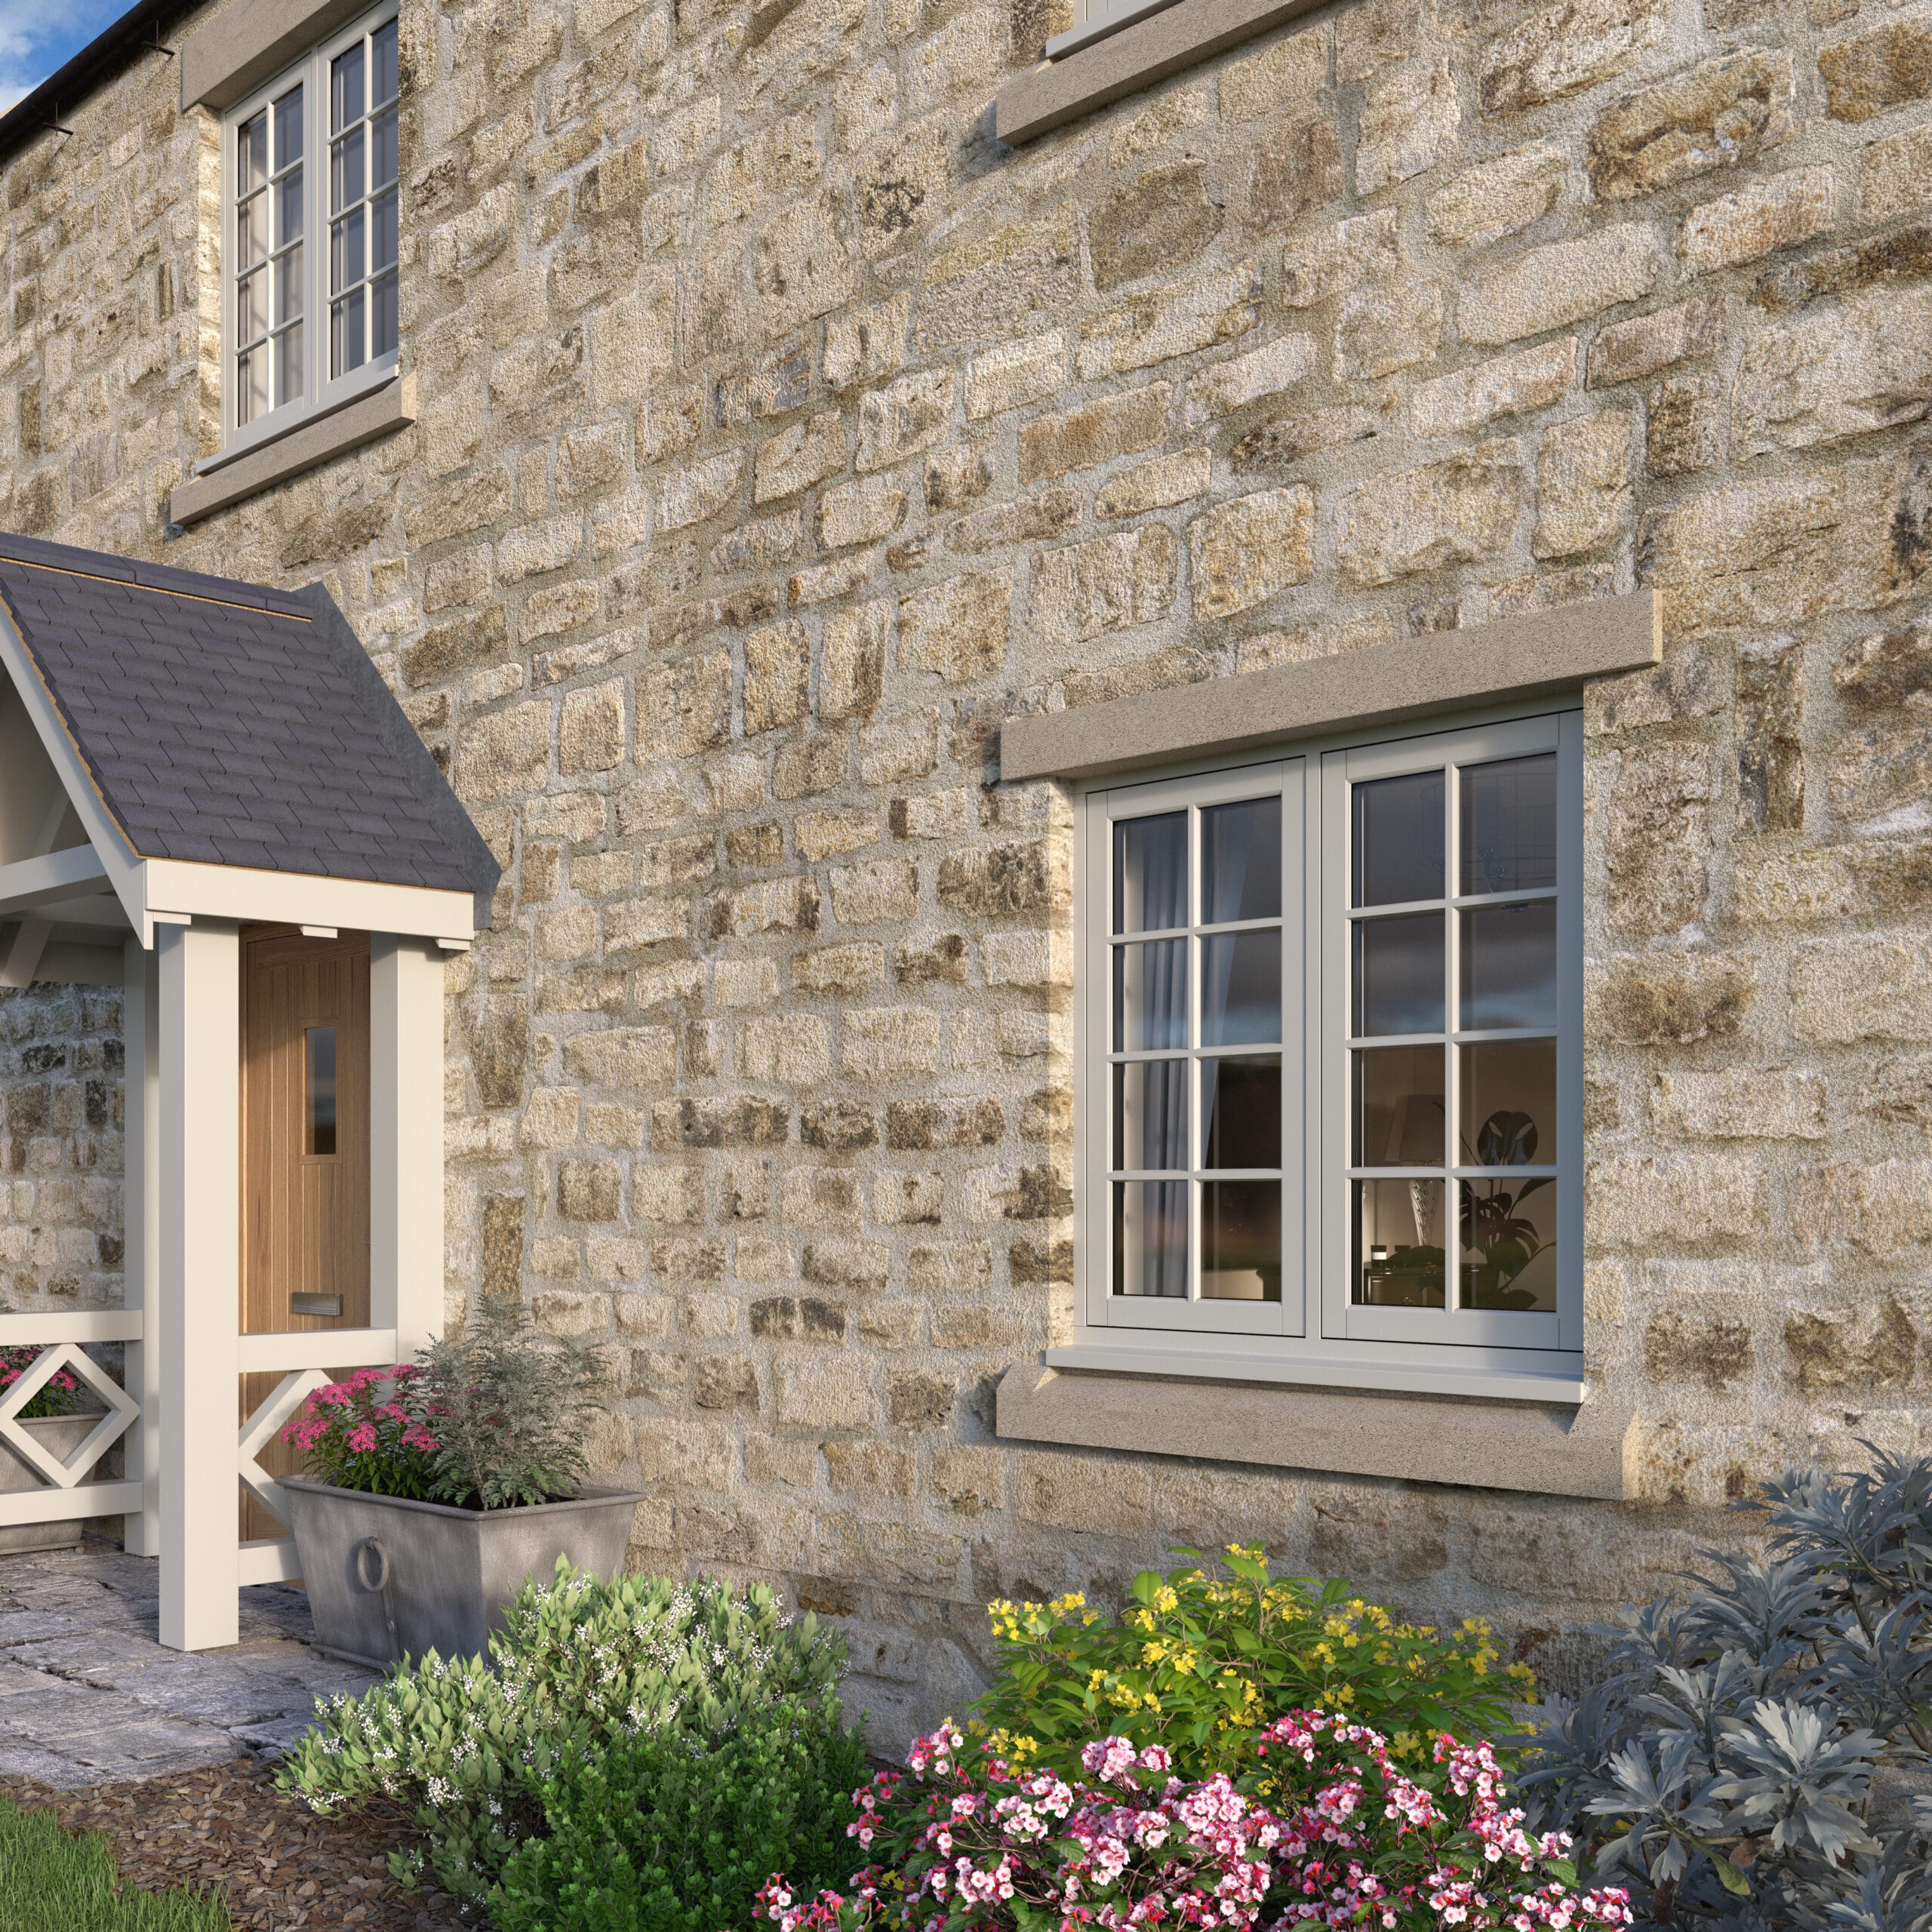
column 380, row 413
column 1545, row 1450
column 1103, row 72
column 1543, row 654
column 244, row 46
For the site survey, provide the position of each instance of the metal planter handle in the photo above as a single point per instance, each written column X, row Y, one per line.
column 370, row 1546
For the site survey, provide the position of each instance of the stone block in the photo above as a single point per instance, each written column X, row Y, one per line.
column 891, row 1043
column 1452, row 512
column 1739, row 1103
column 1165, row 481
column 1108, row 583
column 1653, row 999
column 852, row 672
column 695, row 494
column 1409, row 123
column 874, row 892
column 1874, row 71
column 1723, row 114
column 1562, row 49
column 778, row 671
column 1049, row 513
column 955, row 477
column 957, row 629
column 1657, row 847
column 684, row 707
column 1676, row 1202
column 1292, row 170
column 1015, row 373
column 906, row 415
column 1685, row 332
column 1684, row 432
column 1284, row 73
column 1051, row 446
column 796, row 458
column 861, row 511
column 1497, row 198
column 1865, row 367
column 1029, row 878
column 590, row 730
column 1779, row 211
column 1385, row 326
column 1159, row 221
column 1225, row 386
column 1564, row 282
column 1512, row 385
column 802, row 265
column 1770, row 751
column 1895, row 176
column 1242, row 552
column 1364, row 248
column 504, row 753
column 821, row 1391
column 1892, row 668
column 1862, row 987
column 866, row 345
column 1170, row 322
column 1583, row 496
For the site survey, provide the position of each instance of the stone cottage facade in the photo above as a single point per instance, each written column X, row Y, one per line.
column 767, row 435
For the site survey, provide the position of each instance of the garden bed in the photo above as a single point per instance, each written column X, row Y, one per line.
column 278, row 1867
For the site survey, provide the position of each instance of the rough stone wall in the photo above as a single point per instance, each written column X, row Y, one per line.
column 61, row 1148
column 781, row 432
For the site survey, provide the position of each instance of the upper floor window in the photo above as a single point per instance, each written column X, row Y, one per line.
column 310, row 186
column 1331, row 1077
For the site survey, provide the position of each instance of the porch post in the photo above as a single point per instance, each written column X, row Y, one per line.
column 406, row 1074
column 140, row 1225
column 199, row 970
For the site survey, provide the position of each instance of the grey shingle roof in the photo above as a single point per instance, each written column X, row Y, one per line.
column 230, row 723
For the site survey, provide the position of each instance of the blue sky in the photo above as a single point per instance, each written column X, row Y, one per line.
column 37, row 35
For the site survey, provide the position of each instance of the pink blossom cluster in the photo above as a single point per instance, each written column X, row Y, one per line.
column 51, row 1398
column 1329, row 1832
column 343, row 1429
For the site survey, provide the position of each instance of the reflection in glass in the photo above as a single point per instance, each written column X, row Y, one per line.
column 252, row 154
column 319, row 1104
column 1150, row 1238
column 1398, row 1115
column 1150, row 1114
column 1240, row 989
column 288, row 364
column 346, row 171
column 288, row 128
column 1509, row 1236
column 1508, row 1103
column 1399, row 975
column 251, row 384
column 1398, row 838
column 346, row 80
column 1241, row 1241
column 251, row 307
column 1508, row 830
column 1241, row 1112
column 1150, row 996
column 251, row 231
column 383, row 75
column 1510, row 965
column 1150, row 873
column 1399, row 1244
column 1241, row 861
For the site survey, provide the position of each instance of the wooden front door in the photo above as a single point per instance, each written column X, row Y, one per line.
column 304, row 1150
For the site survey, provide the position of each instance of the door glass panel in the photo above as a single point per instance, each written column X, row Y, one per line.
column 1241, row 1241
column 318, row 1102
column 1150, row 1116
column 1241, row 861
column 1240, row 989
column 1510, row 965
column 1398, row 1107
column 1509, row 825
column 1150, row 873
column 1398, row 835
column 1150, row 996
column 1399, row 1261
column 1509, row 1235
column 1150, row 1238
column 1241, row 1112
column 1399, row 975
column 1509, row 1104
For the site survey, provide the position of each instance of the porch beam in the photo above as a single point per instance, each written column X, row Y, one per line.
column 27, row 883
column 199, row 968
column 82, row 1326
column 20, row 952
column 406, row 1075
column 281, row 1349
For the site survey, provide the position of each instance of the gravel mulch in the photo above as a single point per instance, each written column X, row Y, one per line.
column 281, row 1867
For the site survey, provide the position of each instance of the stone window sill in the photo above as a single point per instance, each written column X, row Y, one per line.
column 306, row 447
column 1539, row 655
column 1584, row 1449
column 1105, row 70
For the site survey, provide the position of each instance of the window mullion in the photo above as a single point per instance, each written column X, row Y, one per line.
column 1452, row 1014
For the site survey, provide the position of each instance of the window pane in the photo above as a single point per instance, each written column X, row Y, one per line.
column 1510, row 965
column 382, row 78
column 1150, row 1114
column 288, row 286
column 382, row 332
column 1241, row 861
column 1240, row 989
column 1399, row 975
column 288, row 209
column 1150, row 1238
column 1150, row 996
column 251, row 384
column 288, row 129
column 1509, row 1104
column 289, row 364
column 319, row 1108
column 1399, row 1105
column 1508, row 1231
column 252, row 154
column 1150, row 873
column 251, row 307
column 1241, row 1241
column 346, row 335
column 1398, row 1257
column 345, row 88
column 1398, row 835
column 383, row 230
column 347, row 237
column 251, row 232
column 1241, row 1112
column 346, row 172
column 1508, row 829
column 382, row 150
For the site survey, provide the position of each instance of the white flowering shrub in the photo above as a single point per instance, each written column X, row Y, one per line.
column 471, row 1745
column 1757, row 1757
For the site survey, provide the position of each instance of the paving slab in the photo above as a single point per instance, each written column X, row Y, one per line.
column 89, row 1695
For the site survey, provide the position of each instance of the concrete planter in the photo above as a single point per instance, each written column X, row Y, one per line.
column 387, row 1577
column 59, row 1436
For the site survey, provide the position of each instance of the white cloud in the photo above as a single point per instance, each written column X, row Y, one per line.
column 37, row 36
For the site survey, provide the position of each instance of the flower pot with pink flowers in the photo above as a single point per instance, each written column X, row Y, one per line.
column 434, row 1489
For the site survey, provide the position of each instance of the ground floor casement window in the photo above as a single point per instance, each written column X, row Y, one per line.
column 1330, row 1043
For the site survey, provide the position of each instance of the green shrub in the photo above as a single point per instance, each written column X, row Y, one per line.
column 580, row 1663
column 1200, row 1662
column 652, row 1833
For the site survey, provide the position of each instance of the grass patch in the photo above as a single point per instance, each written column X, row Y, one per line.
column 53, row 1880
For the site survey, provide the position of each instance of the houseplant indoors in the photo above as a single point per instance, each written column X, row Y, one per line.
column 435, row 1489
column 59, row 1416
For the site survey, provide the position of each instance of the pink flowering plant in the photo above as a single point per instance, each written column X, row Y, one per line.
column 1326, row 1828
column 362, row 1434
column 60, row 1394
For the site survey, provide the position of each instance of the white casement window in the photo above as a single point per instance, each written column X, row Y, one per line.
column 1331, row 1059
column 311, row 236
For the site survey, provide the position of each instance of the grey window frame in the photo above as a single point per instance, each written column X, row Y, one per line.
column 1537, row 1357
